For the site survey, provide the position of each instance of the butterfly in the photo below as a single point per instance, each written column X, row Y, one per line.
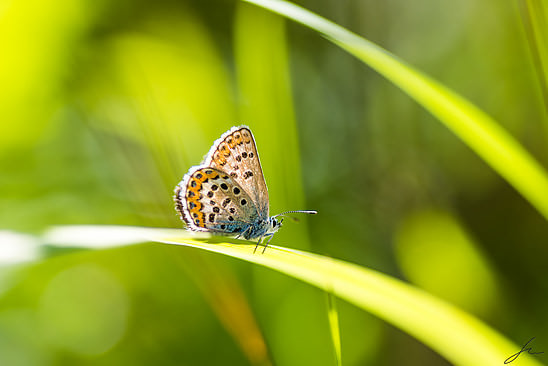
column 226, row 194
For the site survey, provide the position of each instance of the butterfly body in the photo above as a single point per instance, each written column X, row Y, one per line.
column 227, row 193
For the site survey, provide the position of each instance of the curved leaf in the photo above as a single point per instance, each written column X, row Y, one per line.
column 455, row 334
column 479, row 131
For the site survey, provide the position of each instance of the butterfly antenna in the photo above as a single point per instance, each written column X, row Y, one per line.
column 310, row 212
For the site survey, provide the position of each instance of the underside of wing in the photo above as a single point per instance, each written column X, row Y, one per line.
column 236, row 154
column 208, row 199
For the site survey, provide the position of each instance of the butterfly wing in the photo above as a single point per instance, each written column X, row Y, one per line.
column 236, row 154
column 208, row 199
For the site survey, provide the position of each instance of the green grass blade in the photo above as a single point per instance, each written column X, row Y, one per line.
column 533, row 13
column 479, row 131
column 333, row 317
column 264, row 86
column 456, row 335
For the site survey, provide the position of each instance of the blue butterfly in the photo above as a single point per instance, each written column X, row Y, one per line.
column 227, row 194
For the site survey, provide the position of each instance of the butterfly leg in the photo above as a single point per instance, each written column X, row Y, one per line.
column 268, row 242
column 256, row 246
column 243, row 232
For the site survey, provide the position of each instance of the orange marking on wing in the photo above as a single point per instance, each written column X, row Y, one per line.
column 231, row 142
column 211, row 174
column 196, row 211
column 218, row 159
column 223, row 148
column 204, row 177
column 246, row 135
column 238, row 138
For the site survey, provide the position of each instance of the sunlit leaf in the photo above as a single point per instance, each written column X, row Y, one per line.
column 479, row 131
column 455, row 334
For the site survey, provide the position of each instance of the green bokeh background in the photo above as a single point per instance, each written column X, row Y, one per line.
column 105, row 105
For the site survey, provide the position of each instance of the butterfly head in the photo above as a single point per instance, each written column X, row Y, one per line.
column 274, row 225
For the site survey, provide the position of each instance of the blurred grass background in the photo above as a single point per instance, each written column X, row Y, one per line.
column 104, row 106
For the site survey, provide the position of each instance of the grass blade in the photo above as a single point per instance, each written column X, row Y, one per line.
column 333, row 317
column 534, row 23
column 479, row 131
column 456, row 335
